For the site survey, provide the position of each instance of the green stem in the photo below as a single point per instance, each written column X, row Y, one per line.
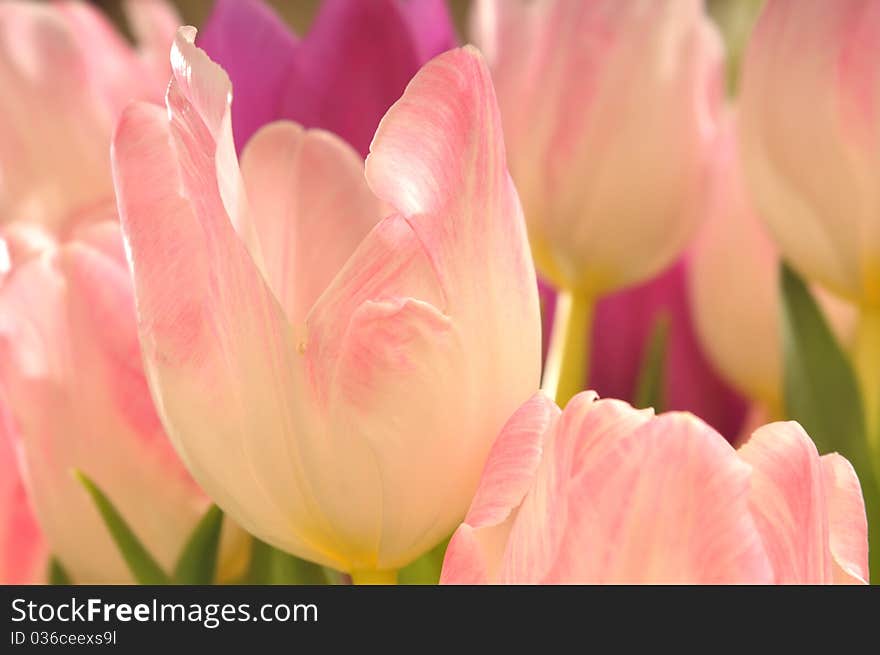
column 866, row 358
column 565, row 372
column 374, row 577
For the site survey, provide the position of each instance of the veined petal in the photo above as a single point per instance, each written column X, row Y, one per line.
column 221, row 357
column 847, row 522
column 583, row 434
column 788, row 502
column 198, row 100
column 311, row 207
column 475, row 551
column 635, row 517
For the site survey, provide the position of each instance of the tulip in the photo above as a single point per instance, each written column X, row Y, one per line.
column 65, row 75
column 22, row 547
column 608, row 109
column 604, row 493
column 810, row 154
column 71, row 373
column 342, row 76
column 306, row 354
column 736, row 307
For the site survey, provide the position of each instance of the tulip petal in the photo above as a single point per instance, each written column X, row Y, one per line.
column 438, row 158
column 586, row 431
column 23, row 557
column 847, row 522
column 634, row 516
column 788, row 502
column 244, row 36
column 474, row 553
column 512, row 462
column 311, row 208
column 198, row 102
column 212, row 334
column 38, row 180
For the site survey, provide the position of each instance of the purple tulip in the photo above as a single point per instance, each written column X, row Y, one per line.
column 342, row 76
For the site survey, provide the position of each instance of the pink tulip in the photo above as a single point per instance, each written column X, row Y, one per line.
column 608, row 108
column 22, row 547
column 810, row 138
column 333, row 379
column 65, row 74
column 603, row 493
column 71, row 373
column 736, row 307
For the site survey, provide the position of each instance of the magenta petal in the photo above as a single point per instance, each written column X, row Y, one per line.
column 256, row 48
column 357, row 60
column 622, row 327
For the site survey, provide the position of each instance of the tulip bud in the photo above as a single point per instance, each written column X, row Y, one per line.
column 809, row 135
column 608, row 107
column 332, row 378
column 71, row 372
column 734, row 283
column 603, row 493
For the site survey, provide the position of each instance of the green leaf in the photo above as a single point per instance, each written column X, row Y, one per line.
column 198, row 561
column 649, row 387
column 141, row 564
column 426, row 569
column 57, row 573
column 270, row 566
column 823, row 395
column 820, row 387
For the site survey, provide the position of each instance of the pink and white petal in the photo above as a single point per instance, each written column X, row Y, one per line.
column 668, row 505
column 847, row 521
column 464, row 562
column 221, row 358
column 48, row 99
column 23, row 555
column 381, row 360
column 439, row 152
column 311, row 207
column 475, row 552
column 199, row 99
column 513, row 462
column 787, row 499
column 586, row 430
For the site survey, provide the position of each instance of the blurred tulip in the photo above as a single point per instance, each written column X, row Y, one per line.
column 809, row 134
column 71, row 372
column 342, row 76
column 810, row 150
column 603, row 493
column 734, row 284
column 23, row 557
column 65, row 74
column 307, row 356
column 608, row 107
